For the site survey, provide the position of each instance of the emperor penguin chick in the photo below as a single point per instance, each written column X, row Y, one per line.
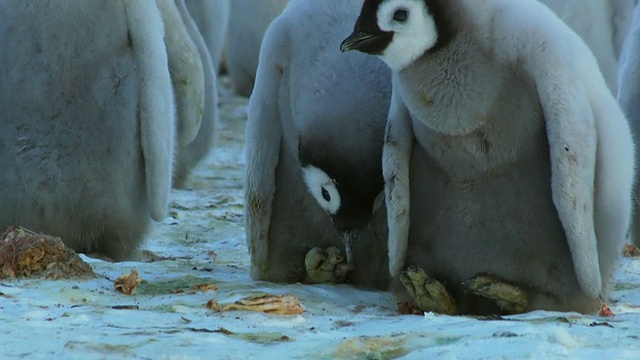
column 629, row 100
column 506, row 157
column 86, row 128
column 250, row 19
column 212, row 19
column 314, row 146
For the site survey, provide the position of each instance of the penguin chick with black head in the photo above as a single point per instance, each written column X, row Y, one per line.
column 344, row 186
column 508, row 165
column 314, row 147
column 347, row 184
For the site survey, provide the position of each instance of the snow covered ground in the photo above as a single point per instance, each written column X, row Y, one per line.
column 203, row 242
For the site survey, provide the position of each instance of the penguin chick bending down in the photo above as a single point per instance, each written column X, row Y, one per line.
column 508, row 164
column 314, row 150
column 87, row 121
column 629, row 100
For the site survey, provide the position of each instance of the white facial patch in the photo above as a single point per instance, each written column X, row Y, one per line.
column 323, row 188
column 414, row 31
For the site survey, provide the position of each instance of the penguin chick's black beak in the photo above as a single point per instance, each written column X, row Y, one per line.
column 358, row 40
column 372, row 42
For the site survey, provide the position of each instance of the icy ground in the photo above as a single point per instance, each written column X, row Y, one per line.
column 204, row 242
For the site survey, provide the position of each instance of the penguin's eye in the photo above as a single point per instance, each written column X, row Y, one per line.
column 325, row 194
column 400, row 15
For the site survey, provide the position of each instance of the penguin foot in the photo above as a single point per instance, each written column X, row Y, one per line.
column 326, row 266
column 429, row 294
column 510, row 298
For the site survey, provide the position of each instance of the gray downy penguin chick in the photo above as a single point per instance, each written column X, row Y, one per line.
column 244, row 36
column 314, row 146
column 505, row 153
column 189, row 155
column 86, row 128
column 602, row 24
column 212, row 19
column 629, row 100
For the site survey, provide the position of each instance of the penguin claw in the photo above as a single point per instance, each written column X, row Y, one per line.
column 326, row 266
column 510, row 298
column 429, row 294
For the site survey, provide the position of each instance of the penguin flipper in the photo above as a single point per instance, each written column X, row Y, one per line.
column 187, row 72
column 263, row 139
column 396, row 158
column 156, row 106
column 190, row 155
column 572, row 148
column 556, row 59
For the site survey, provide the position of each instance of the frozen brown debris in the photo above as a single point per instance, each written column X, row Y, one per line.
column 287, row 304
column 631, row 251
column 24, row 253
column 127, row 282
column 605, row 311
column 205, row 287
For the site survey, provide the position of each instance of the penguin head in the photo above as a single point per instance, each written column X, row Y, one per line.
column 323, row 188
column 344, row 190
column 349, row 211
column 398, row 31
